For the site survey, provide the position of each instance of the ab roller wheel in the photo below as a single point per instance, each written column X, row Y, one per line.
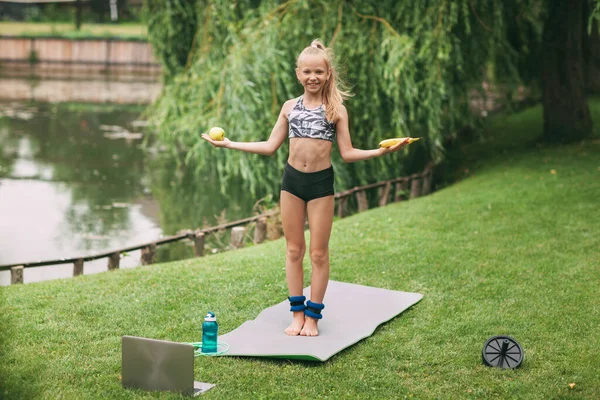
column 502, row 352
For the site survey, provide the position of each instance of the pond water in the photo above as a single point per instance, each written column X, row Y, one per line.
column 76, row 179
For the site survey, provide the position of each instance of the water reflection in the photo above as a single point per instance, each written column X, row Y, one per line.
column 140, row 89
column 75, row 180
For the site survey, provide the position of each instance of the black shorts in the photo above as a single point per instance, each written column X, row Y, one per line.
column 307, row 185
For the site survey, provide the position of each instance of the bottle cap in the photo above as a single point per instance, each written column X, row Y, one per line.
column 210, row 317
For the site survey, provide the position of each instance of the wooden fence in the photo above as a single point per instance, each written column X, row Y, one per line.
column 92, row 53
column 397, row 189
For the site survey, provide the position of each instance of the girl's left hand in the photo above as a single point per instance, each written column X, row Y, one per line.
column 216, row 143
column 396, row 147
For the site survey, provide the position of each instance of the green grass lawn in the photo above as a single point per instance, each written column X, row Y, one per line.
column 42, row 29
column 510, row 249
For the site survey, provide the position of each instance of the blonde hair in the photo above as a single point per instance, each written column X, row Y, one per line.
column 334, row 91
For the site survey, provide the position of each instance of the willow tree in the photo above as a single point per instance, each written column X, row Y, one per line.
column 411, row 66
column 172, row 26
column 591, row 51
column 566, row 111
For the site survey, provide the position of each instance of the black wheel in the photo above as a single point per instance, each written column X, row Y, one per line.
column 502, row 352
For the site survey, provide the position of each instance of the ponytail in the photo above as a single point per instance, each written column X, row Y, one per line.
column 334, row 91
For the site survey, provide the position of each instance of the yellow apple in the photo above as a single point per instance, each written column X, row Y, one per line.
column 216, row 133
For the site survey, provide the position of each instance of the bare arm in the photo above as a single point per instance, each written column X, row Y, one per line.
column 265, row 148
column 350, row 154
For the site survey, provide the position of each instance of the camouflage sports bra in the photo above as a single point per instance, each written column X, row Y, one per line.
column 305, row 123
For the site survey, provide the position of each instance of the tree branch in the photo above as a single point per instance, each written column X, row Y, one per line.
column 477, row 16
column 338, row 28
column 382, row 20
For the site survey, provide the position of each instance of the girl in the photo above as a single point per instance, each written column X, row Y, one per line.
column 311, row 122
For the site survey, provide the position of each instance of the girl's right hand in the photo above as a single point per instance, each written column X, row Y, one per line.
column 396, row 147
column 216, row 143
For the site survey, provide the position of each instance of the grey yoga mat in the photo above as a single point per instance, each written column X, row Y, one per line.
column 352, row 312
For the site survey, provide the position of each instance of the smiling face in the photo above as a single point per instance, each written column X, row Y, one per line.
column 312, row 72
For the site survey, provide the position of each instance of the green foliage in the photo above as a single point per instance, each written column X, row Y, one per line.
column 94, row 11
column 594, row 15
column 172, row 28
column 411, row 65
column 50, row 12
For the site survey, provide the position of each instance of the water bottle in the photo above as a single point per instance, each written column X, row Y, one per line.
column 210, row 329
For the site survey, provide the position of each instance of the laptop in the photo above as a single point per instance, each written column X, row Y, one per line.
column 152, row 364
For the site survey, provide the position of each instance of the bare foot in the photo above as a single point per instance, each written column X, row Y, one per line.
column 297, row 324
column 310, row 327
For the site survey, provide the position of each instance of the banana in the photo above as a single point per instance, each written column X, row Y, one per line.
column 391, row 142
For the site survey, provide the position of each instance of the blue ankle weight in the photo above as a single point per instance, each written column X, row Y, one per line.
column 313, row 310
column 297, row 303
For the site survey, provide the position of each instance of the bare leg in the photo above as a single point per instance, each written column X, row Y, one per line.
column 293, row 215
column 320, row 220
